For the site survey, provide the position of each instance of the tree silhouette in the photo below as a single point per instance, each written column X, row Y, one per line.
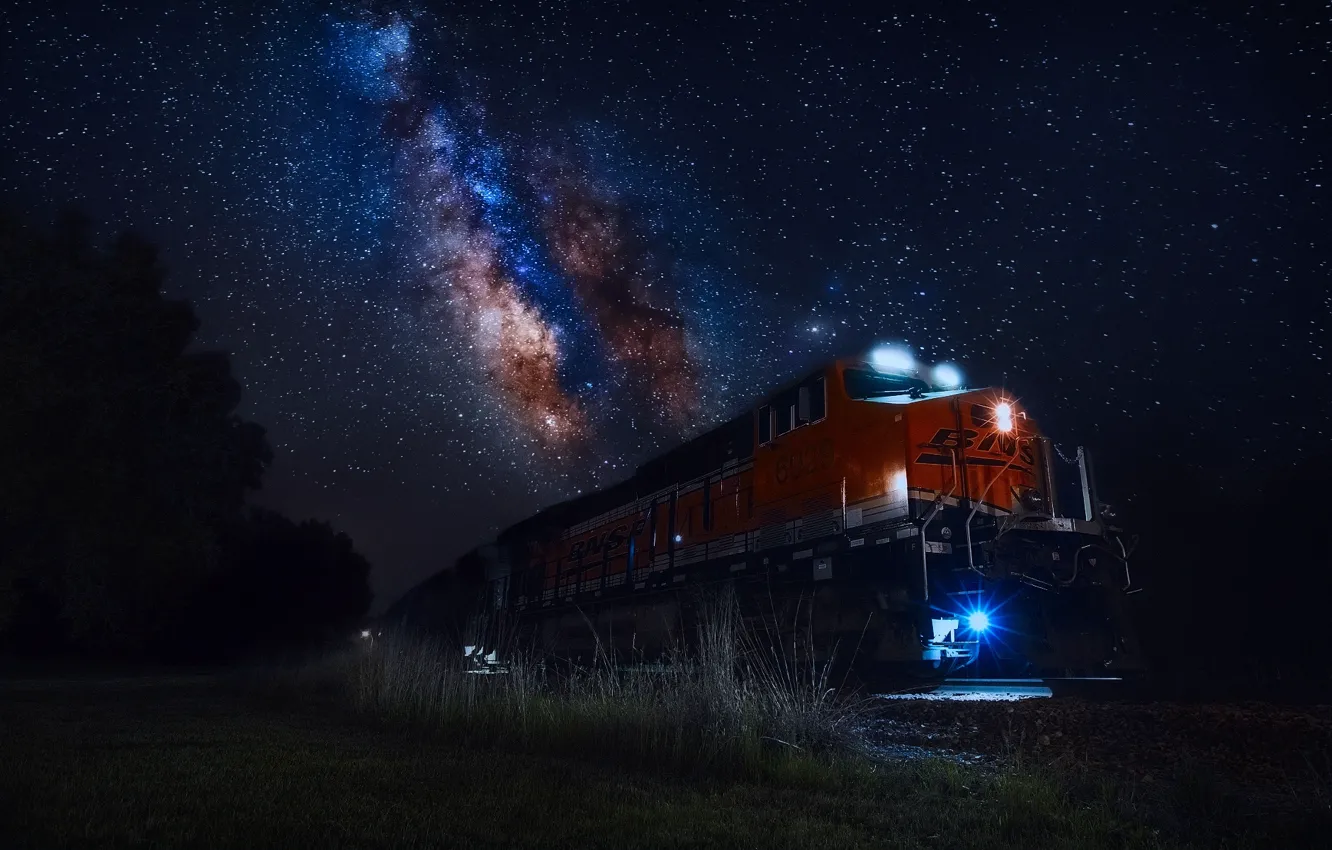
column 123, row 461
column 285, row 585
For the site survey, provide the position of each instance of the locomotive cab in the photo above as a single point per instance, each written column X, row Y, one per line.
column 1001, row 570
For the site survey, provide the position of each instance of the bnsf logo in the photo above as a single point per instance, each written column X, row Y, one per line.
column 993, row 443
column 607, row 542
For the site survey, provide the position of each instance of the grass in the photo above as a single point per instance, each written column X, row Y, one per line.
column 742, row 743
column 190, row 764
column 739, row 705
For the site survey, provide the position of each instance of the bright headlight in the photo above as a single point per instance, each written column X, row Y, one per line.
column 978, row 621
column 892, row 360
column 1003, row 416
column 946, row 375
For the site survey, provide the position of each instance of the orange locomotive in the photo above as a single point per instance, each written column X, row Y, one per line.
column 915, row 518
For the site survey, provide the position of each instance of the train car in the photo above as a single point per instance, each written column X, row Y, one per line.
column 914, row 521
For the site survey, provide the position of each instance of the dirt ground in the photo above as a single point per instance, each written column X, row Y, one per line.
column 1269, row 751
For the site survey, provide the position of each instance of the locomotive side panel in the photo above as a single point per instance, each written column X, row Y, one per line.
column 819, row 455
column 873, row 460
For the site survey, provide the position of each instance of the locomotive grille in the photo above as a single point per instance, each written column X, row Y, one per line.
column 822, row 524
column 773, row 535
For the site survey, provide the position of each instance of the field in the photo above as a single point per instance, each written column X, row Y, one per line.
column 230, row 762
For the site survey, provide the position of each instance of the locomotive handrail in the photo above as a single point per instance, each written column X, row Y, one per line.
column 1123, row 558
column 939, row 500
column 975, row 506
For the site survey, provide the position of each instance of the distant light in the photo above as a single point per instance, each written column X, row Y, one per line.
column 892, row 360
column 978, row 621
column 947, row 375
column 1003, row 416
column 365, row 633
column 678, row 538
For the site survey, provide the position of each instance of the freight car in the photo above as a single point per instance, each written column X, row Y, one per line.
column 916, row 521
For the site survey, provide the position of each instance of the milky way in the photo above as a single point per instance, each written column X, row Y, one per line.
column 496, row 280
column 477, row 257
column 512, row 348
column 605, row 254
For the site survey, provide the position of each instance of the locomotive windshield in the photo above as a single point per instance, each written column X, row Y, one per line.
column 866, row 385
column 870, row 385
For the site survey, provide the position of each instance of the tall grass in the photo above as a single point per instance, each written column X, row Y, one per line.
column 739, row 700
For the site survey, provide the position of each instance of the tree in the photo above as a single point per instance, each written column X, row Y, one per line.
column 121, row 455
column 283, row 585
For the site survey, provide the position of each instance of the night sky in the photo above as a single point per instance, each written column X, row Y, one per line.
column 473, row 258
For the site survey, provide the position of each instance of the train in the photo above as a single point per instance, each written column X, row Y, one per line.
column 900, row 519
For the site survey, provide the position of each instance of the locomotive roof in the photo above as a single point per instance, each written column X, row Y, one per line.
column 710, row 450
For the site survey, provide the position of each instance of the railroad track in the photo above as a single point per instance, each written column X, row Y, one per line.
column 977, row 688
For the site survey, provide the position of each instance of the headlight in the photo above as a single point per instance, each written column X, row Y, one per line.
column 978, row 621
column 1003, row 416
column 947, row 376
column 1032, row 499
column 892, row 360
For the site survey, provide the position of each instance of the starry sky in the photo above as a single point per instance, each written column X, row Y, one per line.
column 472, row 258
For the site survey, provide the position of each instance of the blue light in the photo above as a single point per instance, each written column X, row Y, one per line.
column 978, row 621
column 892, row 360
column 947, row 375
